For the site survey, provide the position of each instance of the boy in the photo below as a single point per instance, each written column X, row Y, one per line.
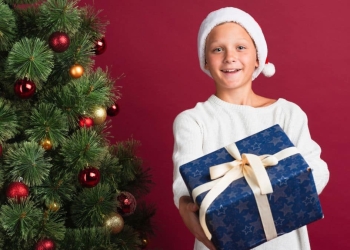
column 233, row 51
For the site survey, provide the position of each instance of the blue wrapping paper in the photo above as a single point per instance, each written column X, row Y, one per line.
column 233, row 218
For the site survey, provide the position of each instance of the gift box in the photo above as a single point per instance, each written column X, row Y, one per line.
column 253, row 190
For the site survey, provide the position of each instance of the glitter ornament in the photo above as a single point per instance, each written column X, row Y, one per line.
column 24, row 88
column 89, row 177
column 114, row 222
column 126, row 203
column 59, row 41
column 17, row 190
column 45, row 244
column 46, row 144
column 76, row 71
column 113, row 110
column 99, row 115
column 86, row 122
column 100, row 46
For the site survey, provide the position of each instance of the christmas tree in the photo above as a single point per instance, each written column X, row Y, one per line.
column 63, row 184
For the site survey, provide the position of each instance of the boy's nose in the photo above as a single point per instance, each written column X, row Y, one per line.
column 230, row 56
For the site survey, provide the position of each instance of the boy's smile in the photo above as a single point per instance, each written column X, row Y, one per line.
column 230, row 56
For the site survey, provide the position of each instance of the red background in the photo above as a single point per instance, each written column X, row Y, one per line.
column 154, row 43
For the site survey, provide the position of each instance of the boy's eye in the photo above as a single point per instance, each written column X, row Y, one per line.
column 217, row 49
column 240, row 47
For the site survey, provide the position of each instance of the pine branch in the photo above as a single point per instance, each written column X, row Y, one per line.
column 31, row 59
column 94, row 90
column 20, row 220
column 92, row 205
column 60, row 15
column 27, row 22
column 8, row 28
column 110, row 170
column 83, row 148
column 92, row 24
column 47, row 122
column 58, row 188
column 52, row 226
column 67, row 99
column 14, row 2
column 96, row 238
column 27, row 160
column 141, row 219
column 8, row 121
column 127, row 239
column 133, row 178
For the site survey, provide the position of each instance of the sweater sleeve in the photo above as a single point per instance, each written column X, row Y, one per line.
column 298, row 131
column 187, row 147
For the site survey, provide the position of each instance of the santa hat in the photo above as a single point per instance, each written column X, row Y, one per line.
column 230, row 14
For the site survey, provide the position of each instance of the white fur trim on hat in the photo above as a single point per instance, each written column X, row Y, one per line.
column 230, row 14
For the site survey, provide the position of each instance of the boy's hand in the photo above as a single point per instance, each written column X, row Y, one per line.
column 188, row 211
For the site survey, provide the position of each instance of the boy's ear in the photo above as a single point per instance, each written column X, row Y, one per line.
column 206, row 64
column 256, row 63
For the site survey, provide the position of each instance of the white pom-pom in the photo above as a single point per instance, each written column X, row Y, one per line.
column 269, row 70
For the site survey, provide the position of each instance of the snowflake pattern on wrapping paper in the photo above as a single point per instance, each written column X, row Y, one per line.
column 233, row 218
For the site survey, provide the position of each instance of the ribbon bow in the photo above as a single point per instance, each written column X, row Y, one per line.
column 252, row 167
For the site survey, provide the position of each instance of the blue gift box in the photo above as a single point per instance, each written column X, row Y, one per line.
column 233, row 218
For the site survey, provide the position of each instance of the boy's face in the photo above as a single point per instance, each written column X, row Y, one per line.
column 230, row 56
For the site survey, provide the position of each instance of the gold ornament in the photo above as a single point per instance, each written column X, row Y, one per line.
column 46, row 144
column 114, row 222
column 99, row 115
column 53, row 206
column 76, row 71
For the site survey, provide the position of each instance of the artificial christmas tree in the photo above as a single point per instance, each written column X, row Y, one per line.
column 63, row 184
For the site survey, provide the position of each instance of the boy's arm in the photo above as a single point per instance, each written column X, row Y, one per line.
column 187, row 147
column 298, row 132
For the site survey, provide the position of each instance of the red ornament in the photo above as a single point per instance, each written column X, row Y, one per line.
column 89, row 177
column 24, row 88
column 86, row 122
column 113, row 110
column 17, row 190
column 100, row 46
column 126, row 203
column 45, row 244
column 59, row 41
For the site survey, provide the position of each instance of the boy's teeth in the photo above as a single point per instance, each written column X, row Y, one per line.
column 230, row 70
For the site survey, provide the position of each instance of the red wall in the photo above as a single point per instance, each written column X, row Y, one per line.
column 154, row 44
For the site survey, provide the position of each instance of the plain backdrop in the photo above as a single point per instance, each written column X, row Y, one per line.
column 154, row 43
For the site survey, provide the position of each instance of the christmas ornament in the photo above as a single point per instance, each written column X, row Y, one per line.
column 76, row 71
column 59, row 41
column 86, row 122
column 45, row 244
column 114, row 222
column 17, row 190
column 89, row 177
column 100, row 46
column 46, row 144
column 24, row 88
column 113, row 110
column 53, row 206
column 99, row 115
column 144, row 242
column 126, row 203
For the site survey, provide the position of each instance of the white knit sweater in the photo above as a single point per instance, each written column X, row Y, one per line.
column 215, row 123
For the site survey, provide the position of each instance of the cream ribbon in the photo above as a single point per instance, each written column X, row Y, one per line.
column 252, row 167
